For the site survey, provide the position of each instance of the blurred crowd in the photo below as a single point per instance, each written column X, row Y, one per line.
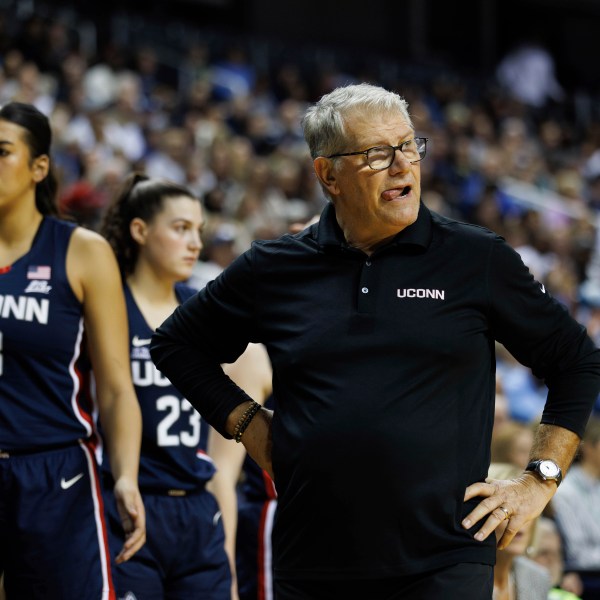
column 512, row 151
column 516, row 158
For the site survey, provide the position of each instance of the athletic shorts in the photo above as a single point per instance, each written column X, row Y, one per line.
column 184, row 554
column 253, row 549
column 53, row 535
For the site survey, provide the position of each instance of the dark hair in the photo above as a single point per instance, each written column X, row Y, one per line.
column 38, row 137
column 140, row 197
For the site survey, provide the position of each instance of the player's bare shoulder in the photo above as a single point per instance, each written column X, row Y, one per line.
column 89, row 258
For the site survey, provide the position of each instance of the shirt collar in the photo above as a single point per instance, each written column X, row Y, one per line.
column 330, row 235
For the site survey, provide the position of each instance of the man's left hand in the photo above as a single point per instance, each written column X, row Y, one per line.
column 516, row 501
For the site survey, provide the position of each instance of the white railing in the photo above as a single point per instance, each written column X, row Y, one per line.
column 529, row 196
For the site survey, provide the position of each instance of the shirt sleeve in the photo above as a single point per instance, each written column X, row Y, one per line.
column 541, row 334
column 212, row 327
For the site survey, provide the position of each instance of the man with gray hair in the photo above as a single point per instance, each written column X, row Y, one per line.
column 380, row 322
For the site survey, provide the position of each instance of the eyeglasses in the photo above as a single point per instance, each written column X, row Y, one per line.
column 381, row 157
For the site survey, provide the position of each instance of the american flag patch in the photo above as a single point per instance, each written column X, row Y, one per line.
column 39, row 272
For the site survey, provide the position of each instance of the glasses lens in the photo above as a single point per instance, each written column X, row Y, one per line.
column 380, row 157
column 421, row 144
column 412, row 150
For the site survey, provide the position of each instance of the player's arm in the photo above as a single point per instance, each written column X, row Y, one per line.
column 95, row 279
column 252, row 372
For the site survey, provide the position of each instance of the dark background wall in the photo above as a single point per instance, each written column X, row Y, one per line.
column 468, row 34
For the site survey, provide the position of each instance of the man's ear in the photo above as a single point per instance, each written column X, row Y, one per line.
column 138, row 230
column 40, row 167
column 324, row 168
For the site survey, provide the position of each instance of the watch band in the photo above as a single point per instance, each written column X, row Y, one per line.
column 534, row 466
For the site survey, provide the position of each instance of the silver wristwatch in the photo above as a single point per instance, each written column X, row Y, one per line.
column 547, row 469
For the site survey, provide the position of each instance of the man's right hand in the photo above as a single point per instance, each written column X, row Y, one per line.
column 257, row 437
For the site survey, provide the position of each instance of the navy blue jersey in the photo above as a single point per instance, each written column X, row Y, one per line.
column 174, row 438
column 41, row 331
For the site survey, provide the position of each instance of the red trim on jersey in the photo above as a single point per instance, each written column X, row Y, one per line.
column 270, row 490
column 83, row 397
column 4, row 270
column 202, row 455
column 265, row 551
column 112, row 595
column 261, row 552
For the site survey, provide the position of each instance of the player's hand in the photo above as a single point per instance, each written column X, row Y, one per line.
column 133, row 517
column 522, row 500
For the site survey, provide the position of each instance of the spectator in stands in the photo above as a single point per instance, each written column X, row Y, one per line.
column 168, row 161
column 576, row 507
column 547, row 550
column 527, row 73
column 523, row 391
column 219, row 252
column 512, row 444
column 516, row 577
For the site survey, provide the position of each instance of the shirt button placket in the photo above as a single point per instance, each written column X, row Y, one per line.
column 365, row 289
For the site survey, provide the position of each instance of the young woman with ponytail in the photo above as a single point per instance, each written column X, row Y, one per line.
column 60, row 300
column 154, row 228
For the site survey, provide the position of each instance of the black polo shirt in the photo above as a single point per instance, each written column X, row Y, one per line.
column 384, row 374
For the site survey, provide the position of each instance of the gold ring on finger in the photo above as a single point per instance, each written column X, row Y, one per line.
column 505, row 511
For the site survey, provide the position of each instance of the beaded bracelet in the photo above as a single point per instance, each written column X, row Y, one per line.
column 244, row 421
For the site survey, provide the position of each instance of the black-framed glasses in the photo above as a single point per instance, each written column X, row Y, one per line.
column 381, row 157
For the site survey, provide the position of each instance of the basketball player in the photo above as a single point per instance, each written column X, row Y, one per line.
column 59, row 288
column 154, row 229
column 248, row 519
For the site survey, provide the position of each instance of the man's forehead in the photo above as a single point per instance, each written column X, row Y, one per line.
column 361, row 125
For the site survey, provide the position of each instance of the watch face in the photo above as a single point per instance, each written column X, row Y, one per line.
column 549, row 469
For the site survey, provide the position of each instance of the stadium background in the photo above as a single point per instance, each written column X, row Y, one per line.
column 532, row 173
column 471, row 35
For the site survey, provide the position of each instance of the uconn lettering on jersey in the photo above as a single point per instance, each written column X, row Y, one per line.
column 24, row 308
column 144, row 374
column 421, row 293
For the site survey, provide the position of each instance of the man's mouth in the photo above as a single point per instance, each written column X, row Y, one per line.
column 397, row 193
